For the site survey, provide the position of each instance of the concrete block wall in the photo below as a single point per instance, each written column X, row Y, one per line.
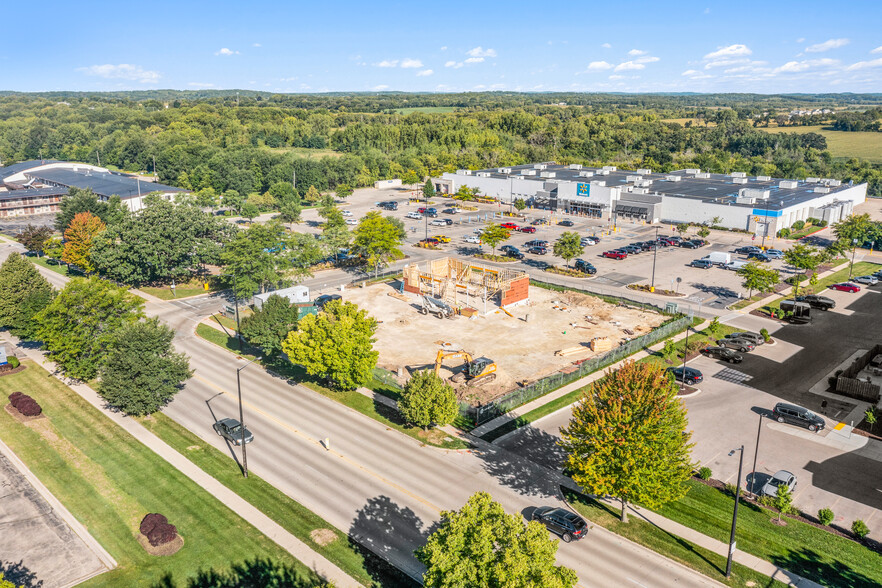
column 518, row 291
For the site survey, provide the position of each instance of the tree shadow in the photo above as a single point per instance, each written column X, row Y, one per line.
column 718, row 291
column 820, row 568
column 247, row 574
column 528, row 462
column 390, row 533
column 19, row 574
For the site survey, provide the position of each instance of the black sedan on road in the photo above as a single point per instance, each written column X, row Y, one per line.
column 722, row 353
column 562, row 522
column 231, row 430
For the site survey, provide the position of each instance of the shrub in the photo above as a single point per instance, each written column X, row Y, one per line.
column 714, row 326
column 765, row 335
column 825, row 515
column 705, row 473
column 24, row 404
column 784, row 233
column 811, row 221
column 798, row 225
column 821, row 223
column 860, row 528
column 150, row 521
column 669, row 347
column 15, row 396
column 13, row 362
column 730, row 489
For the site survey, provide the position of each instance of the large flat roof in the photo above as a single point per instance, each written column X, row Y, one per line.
column 715, row 188
column 8, row 170
column 31, row 193
column 104, row 184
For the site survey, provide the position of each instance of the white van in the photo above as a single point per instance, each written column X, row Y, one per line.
column 718, row 258
column 735, row 265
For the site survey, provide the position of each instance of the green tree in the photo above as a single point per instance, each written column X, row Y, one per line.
column 302, row 251
column 343, row 191
column 78, row 239
column 232, row 199
column 312, row 195
column 253, row 261
column 336, row 345
column 428, row 400
column 290, row 211
column 6, row 583
column 269, row 326
column 715, row 222
column 141, row 372
column 250, row 211
column 23, row 293
column 34, row 238
column 758, row 278
column 628, row 438
column 783, row 500
column 853, row 232
column 410, row 178
column 206, row 198
column 481, row 545
column 520, row 204
column 703, row 232
column 54, row 248
column 78, row 326
column 377, row 239
column 79, row 200
column 493, row 235
column 804, row 257
column 334, row 238
column 327, row 206
column 682, row 228
column 428, row 190
column 568, row 246
column 870, row 417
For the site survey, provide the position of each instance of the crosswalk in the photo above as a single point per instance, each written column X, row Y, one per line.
column 733, row 376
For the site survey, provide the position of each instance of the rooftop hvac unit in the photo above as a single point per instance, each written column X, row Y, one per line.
column 540, row 166
column 644, row 171
column 633, row 178
column 702, row 176
column 464, row 172
column 673, row 178
column 598, row 183
column 694, row 171
column 763, row 178
column 528, row 172
column 643, row 183
column 788, row 184
column 504, row 170
column 813, row 180
column 547, row 174
column 483, row 174
column 745, row 200
column 586, row 174
column 821, row 190
column 610, row 168
column 637, row 190
column 738, row 175
column 739, row 180
column 603, row 172
column 575, row 166
column 754, row 193
column 831, row 182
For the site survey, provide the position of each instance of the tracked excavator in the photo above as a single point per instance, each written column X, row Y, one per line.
column 477, row 371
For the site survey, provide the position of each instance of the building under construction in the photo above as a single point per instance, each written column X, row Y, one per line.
column 463, row 284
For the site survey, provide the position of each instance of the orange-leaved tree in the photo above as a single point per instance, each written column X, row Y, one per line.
column 78, row 240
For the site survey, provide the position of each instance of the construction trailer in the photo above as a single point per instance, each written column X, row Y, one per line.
column 464, row 284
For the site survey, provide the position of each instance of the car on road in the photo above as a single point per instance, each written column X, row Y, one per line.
column 614, row 254
column 351, row 221
column 441, row 222
column 723, row 353
column 232, row 430
column 742, row 345
column 536, row 243
column 346, row 212
column 561, row 522
column 797, row 415
column 845, row 287
column 527, row 229
column 537, row 250
column 566, row 223
column 755, row 338
column 414, row 215
column 322, row 300
column 687, row 375
column 688, row 245
column 780, row 478
column 442, row 238
column 585, row 267
column 509, row 226
column 762, row 257
column 815, row 301
column 702, row 263
column 473, row 239
column 867, row 280
column 748, row 250
column 774, row 253
column 539, row 221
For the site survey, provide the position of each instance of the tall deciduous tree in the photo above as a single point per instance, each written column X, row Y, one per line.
column 853, row 232
column 78, row 240
column 253, row 259
column 312, row 195
column 481, row 545
column 78, row 326
column 806, row 258
column 628, row 438
column 23, row 293
column 378, row 239
column 336, row 344
column 494, row 235
column 343, row 191
column 250, row 211
column 269, row 326
column 79, row 200
column 428, row 400
column 568, row 246
column 520, row 204
column 758, row 278
column 141, row 371
column 54, row 247
column 410, row 178
column 290, row 211
column 34, row 237
column 428, row 190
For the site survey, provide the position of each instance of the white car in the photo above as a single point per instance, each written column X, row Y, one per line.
column 479, row 230
column 346, row 212
column 473, row 239
column 414, row 215
column 351, row 221
column 868, row 280
column 588, row 241
column 438, row 222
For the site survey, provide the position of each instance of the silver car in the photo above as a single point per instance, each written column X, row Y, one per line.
column 868, row 280
column 781, row 478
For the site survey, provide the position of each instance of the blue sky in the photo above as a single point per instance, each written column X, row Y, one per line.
column 294, row 46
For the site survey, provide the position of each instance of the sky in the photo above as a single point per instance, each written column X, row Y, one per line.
column 294, row 46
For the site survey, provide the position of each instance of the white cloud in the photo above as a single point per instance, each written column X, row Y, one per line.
column 380, row 87
column 798, row 66
column 707, row 10
column 636, row 52
column 122, row 71
column 425, row 72
column 826, row 45
column 646, row 59
column 481, row 52
column 203, row 85
column 474, row 60
column 453, row 64
column 225, row 51
column 599, row 66
column 387, row 63
column 725, row 63
column 256, row 45
column 690, row 72
column 444, row 48
column 877, row 49
column 606, row 46
column 730, row 51
column 629, row 65
column 801, row 40
column 411, row 63
column 864, row 64
column 617, row 77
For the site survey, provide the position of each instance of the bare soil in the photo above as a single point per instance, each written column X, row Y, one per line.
column 170, row 548
column 522, row 345
column 323, row 537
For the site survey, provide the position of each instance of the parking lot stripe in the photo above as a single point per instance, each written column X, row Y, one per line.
column 839, row 427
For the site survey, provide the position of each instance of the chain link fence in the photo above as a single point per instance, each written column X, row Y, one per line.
column 387, row 378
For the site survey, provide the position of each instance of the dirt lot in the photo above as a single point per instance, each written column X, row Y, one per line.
column 523, row 350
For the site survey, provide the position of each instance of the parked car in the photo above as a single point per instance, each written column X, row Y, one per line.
column 422, row 210
column 797, row 415
column 430, row 241
column 322, row 300
column 451, row 211
column 877, row 274
column 536, row 243
column 442, row 222
column 661, row 242
column 631, row 249
column 537, row 250
column 780, row 478
column 734, row 265
column 774, row 253
column 762, row 257
column 702, row 263
column 755, row 338
column 584, row 267
column 527, row 229
column 473, row 239
column 742, row 345
column 588, row 241
column 846, row 287
column 561, row 522
column 539, row 221
column 442, row 238
column 688, row 245
column 815, row 301
column 346, row 212
column 507, row 248
column 672, row 240
column 566, row 223
column 388, row 205
column 510, row 226
column 723, row 353
column 748, row 250
column 615, row 254
column 232, row 430
column 515, row 254
column 414, row 215
column 868, row 280
column 698, row 242
column 687, row 375
column 351, row 221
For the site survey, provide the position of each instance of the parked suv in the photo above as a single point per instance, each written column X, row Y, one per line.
column 702, row 263
column 742, row 345
column 755, row 338
column 687, row 375
column 748, row 250
column 797, row 415
column 561, row 522
column 585, row 267
column 536, row 243
column 816, row 301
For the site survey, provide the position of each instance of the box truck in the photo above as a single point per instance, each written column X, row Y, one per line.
column 718, row 257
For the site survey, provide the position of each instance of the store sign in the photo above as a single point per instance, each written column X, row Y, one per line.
column 583, row 189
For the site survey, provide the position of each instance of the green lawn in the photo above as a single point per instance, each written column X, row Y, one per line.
column 861, row 268
column 350, row 398
column 805, row 232
column 362, row 565
column 426, row 109
column 109, row 481
column 806, row 550
column 643, row 533
column 59, row 268
column 191, row 288
column 865, row 144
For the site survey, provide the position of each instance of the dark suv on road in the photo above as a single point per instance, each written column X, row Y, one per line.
column 687, row 375
column 797, row 415
column 561, row 522
column 816, row 301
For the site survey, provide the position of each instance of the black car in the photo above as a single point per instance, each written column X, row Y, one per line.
column 507, row 248
column 536, row 243
column 388, row 205
column 748, row 250
column 584, row 267
column 514, row 254
column 688, row 245
column 561, row 522
column 722, row 353
column 816, row 301
column 797, row 415
column 566, row 223
column 702, row 263
column 698, row 242
column 537, row 250
column 322, row 300
column 231, row 429
column 759, row 257
column 687, row 375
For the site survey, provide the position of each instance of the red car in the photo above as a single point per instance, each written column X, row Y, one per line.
column 421, row 210
column 615, row 254
column 846, row 287
column 511, row 226
column 527, row 229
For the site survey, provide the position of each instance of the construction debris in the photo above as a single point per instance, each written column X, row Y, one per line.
column 601, row 344
column 570, row 351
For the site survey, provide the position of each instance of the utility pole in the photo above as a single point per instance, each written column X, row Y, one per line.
column 242, row 416
column 154, row 168
column 735, row 513
column 654, row 257
column 759, row 430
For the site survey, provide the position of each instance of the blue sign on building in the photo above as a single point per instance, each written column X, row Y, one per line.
column 764, row 213
column 583, row 189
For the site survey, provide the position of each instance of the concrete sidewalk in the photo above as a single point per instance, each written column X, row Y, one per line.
column 297, row 548
column 772, row 297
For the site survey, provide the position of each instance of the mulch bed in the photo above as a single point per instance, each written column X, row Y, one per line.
column 170, row 548
column 12, row 371
column 13, row 412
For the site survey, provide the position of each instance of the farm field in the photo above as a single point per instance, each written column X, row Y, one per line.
column 865, row 145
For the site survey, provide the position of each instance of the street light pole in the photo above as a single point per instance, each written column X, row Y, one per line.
column 735, row 512
column 853, row 250
column 236, row 298
column 242, row 416
column 759, row 430
column 654, row 257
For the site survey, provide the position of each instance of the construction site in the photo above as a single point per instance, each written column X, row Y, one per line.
column 486, row 331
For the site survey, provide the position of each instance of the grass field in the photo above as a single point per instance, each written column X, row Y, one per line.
column 865, row 145
column 426, row 109
column 109, row 481
column 192, row 288
column 308, row 153
column 58, row 268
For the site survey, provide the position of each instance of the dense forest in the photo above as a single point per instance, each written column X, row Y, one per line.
column 248, row 142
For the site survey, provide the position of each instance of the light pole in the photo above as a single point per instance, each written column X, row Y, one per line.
column 735, row 512
column 853, row 250
column 242, row 417
column 654, row 256
column 759, row 430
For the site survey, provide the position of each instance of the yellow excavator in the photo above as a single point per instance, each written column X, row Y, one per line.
column 477, row 371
